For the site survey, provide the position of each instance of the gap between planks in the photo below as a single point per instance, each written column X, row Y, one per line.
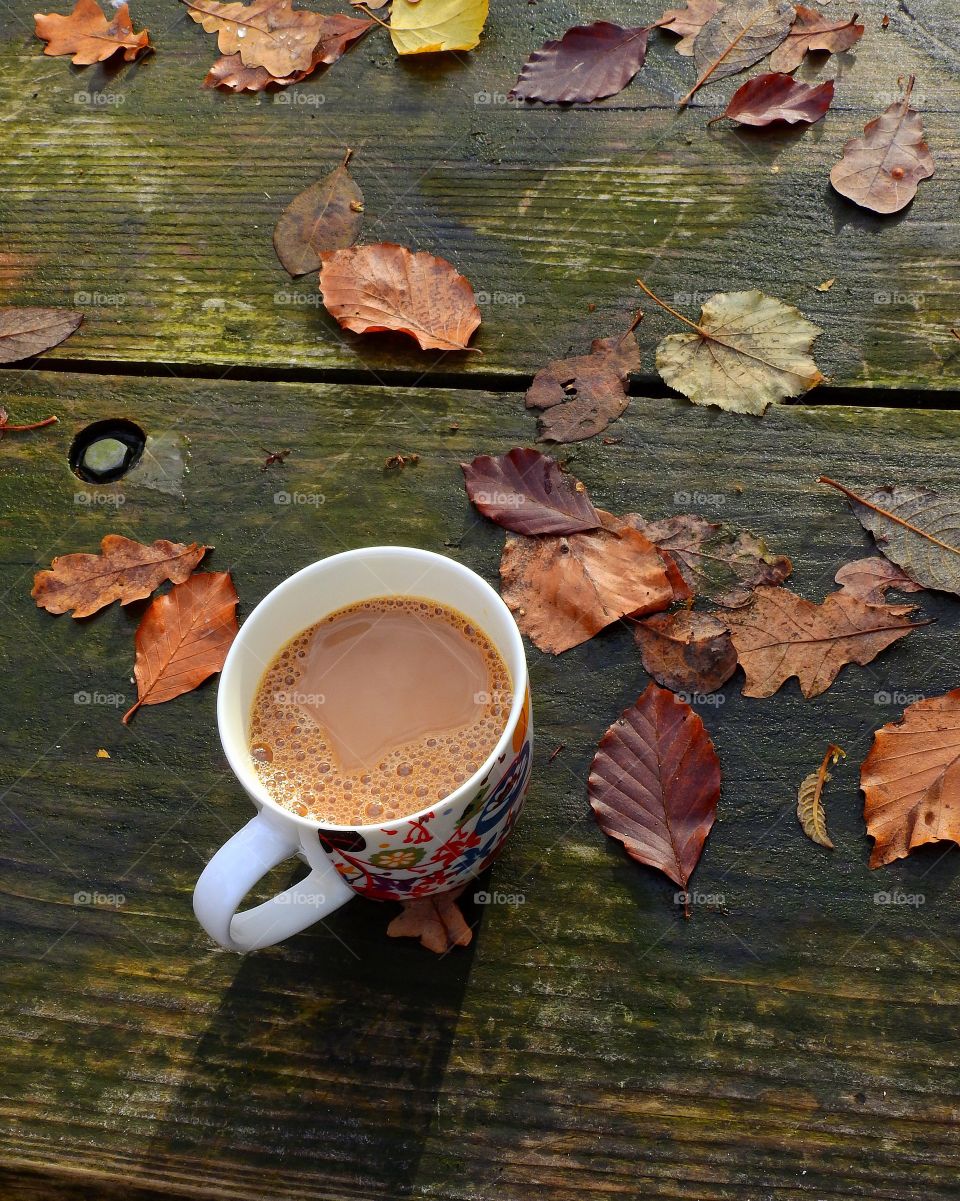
column 649, row 386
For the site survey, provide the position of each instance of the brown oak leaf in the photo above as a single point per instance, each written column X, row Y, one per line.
column 870, row 579
column 325, row 216
column 525, row 491
column 386, row 287
column 881, row 170
column 337, row 33
column 911, row 779
column 782, row 635
column 266, row 33
column 184, row 637
column 89, row 36
column 588, row 63
column 777, row 97
column 124, row 570
column 435, row 920
column 563, row 590
column 25, row 332
column 655, row 782
column 718, row 561
column 687, row 22
column 581, row 396
column 686, row 651
column 812, row 30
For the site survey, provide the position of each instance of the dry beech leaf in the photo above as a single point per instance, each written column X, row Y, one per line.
column 739, row 35
column 525, row 491
column 25, row 332
column 687, row 22
column 718, row 561
column 436, row 921
column 325, row 216
column 89, row 36
column 429, row 26
column 336, row 35
column 916, row 528
column 686, row 651
column 815, row 31
column 881, row 170
column 124, row 570
column 563, row 590
column 588, row 63
column 911, row 779
column 581, row 396
column 870, row 579
column 782, row 635
column 655, row 782
column 184, row 638
column 777, row 97
column 267, row 33
column 810, row 814
column 748, row 351
column 386, row 287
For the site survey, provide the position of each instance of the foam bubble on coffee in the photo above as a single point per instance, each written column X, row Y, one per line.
column 378, row 711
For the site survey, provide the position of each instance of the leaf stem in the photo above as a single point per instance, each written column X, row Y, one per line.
column 860, row 500
column 673, row 312
column 20, row 429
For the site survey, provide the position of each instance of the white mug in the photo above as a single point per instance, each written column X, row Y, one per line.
column 430, row 851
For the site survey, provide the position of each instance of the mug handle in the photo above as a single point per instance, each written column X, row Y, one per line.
column 261, row 845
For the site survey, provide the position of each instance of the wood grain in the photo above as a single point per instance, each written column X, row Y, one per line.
column 795, row 1039
column 154, row 201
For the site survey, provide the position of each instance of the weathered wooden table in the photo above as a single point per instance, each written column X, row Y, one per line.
column 797, row 1040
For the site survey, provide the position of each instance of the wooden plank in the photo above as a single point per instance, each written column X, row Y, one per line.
column 798, row 1040
column 150, row 202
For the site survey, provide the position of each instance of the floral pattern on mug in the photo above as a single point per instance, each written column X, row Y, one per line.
column 438, row 850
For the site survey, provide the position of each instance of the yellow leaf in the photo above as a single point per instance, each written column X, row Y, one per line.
column 748, row 350
column 103, row 753
column 809, row 799
column 427, row 26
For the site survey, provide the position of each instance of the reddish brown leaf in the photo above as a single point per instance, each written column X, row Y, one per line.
column 386, row 287
column 588, row 63
column 563, row 590
column 184, row 638
column 718, row 561
column 882, row 170
column 685, row 651
column 869, row 579
column 124, row 570
column 813, row 30
column 655, row 782
column 89, row 36
column 436, row 921
column 739, row 35
column 911, row 779
column 581, row 396
column 782, row 635
column 25, row 332
column 229, row 72
column 526, row 491
column 325, row 216
column 687, row 22
column 777, row 97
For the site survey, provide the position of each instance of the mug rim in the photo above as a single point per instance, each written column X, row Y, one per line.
column 248, row 777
